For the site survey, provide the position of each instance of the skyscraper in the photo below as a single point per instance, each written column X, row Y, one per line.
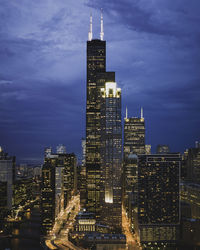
column 96, row 78
column 111, row 154
column 158, row 199
column 58, row 184
column 134, row 135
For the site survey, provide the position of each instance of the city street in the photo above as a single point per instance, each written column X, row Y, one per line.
column 58, row 239
column 131, row 242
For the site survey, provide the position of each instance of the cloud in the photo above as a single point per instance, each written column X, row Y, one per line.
column 152, row 45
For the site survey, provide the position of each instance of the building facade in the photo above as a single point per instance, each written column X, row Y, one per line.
column 59, row 183
column 97, row 77
column 134, row 135
column 111, row 155
column 158, row 199
column 7, row 175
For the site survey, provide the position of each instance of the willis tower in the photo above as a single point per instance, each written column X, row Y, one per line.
column 97, row 80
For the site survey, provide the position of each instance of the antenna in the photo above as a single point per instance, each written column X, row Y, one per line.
column 142, row 117
column 90, row 32
column 101, row 33
column 126, row 112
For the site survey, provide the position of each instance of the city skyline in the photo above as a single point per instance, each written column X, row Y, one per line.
column 155, row 53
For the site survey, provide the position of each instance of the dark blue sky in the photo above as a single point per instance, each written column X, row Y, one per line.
column 153, row 46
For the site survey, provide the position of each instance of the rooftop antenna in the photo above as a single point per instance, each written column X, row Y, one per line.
column 90, row 32
column 101, row 33
column 142, row 117
column 126, row 112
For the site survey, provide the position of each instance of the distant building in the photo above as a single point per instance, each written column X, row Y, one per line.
column 192, row 164
column 134, row 135
column 61, row 149
column 7, row 175
column 158, row 199
column 147, row 149
column 111, row 153
column 162, row 149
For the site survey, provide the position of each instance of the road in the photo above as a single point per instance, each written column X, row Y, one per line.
column 58, row 239
column 131, row 242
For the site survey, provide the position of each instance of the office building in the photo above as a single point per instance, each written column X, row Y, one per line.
column 96, row 79
column 7, row 174
column 158, row 199
column 134, row 135
column 192, row 164
column 111, row 154
column 48, row 201
column 130, row 184
column 59, row 183
column 162, row 149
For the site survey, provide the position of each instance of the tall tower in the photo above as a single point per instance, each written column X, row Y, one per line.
column 111, row 153
column 96, row 78
column 96, row 64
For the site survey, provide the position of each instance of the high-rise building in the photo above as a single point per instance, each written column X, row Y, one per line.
column 130, row 183
column 96, row 79
column 111, row 154
column 134, row 135
column 96, row 63
column 158, row 199
column 192, row 164
column 48, row 189
column 59, row 183
column 7, row 175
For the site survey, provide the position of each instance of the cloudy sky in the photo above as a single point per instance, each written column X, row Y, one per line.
column 152, row 45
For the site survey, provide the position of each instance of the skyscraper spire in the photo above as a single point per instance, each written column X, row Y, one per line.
column 90, row 32
column 142, row 113
column 101, row 33
column 126, row 112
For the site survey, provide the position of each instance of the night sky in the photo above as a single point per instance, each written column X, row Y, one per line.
column 152, row 45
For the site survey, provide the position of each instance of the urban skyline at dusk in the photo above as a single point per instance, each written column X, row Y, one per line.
column 99, row 135
column 153, row 47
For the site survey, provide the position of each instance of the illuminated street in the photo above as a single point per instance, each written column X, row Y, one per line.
column 131, row 242
column 58, row 238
